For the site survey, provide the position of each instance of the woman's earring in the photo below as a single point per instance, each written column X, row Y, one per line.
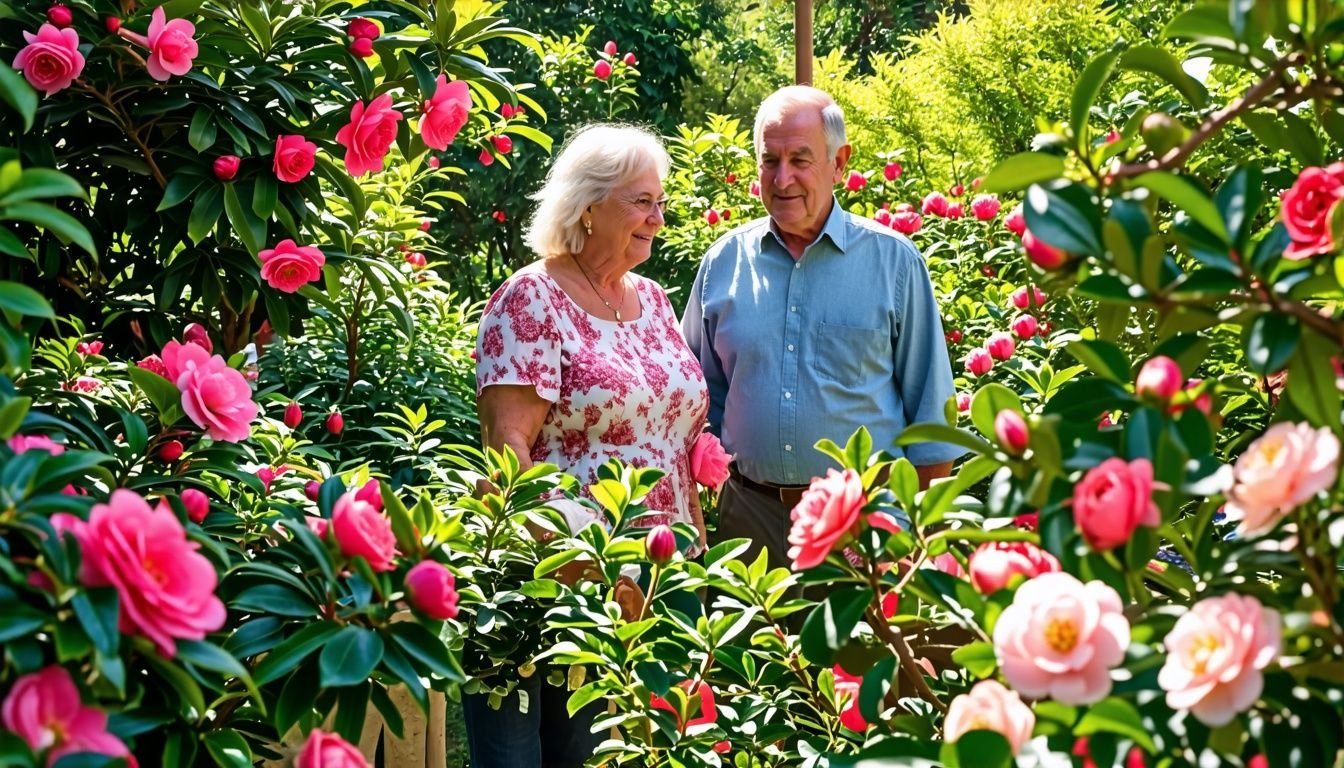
column 588, row 227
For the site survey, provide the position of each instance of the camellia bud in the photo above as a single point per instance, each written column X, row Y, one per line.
column 855, row 182
column 1000, row 345
column 112, row 23
column 195, row 333
column 1159, row 379
column 1010, row 429
column 963, row 401
column 1025, row 326
column 226, row 167
column 486, row 157
column 712, row 217
column 197, row 504
column 660, row 544
column 892, row 171
column 610, row 48
column 171, row 450
column 503, row 144
column 1162, row 132
column 362, row 47
column 978, row 362
column 630, row 60
column 362, row 28
column 60, row 16
column 731, row 178
column 432, row 589
column 293, row 415
column 953, row 336
column 312, row 489
column 1042, row 254
column 335, row 423
column 602, row 69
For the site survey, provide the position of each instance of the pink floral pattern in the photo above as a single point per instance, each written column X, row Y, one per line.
column 631, row 391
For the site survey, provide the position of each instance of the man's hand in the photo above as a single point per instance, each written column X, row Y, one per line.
column 930, row 472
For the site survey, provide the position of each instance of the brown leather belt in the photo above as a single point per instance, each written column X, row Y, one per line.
column 788, row 495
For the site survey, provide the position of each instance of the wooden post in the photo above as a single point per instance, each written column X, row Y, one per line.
column 802, row 42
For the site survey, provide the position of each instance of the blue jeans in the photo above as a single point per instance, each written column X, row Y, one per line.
column 543, row 737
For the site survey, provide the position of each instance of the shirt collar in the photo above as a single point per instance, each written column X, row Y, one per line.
column 834, row 229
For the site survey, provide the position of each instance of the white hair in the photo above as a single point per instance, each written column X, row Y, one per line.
column 793, row 97
column 594, row 161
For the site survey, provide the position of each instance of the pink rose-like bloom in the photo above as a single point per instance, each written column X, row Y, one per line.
column 935, row 203
column 1025, row 326
column 1060, row 638
column 1282, row 469
column 1215, row 655
column 362, row 28
column 1010, row 429
column 445, row 113
column 44, row 709
column 826, row 517
column 432, row 589
column 1015, row 221
column 288, row 267
column 602, row 69
column 51, row 60
column 214, row 395
column 153, row 363
column 368, row 135
column 166, row 588
column 327, row 750
column 995, row 563
column 847, row 689
column 855, row 181
column 955, row 211
column 1160, row 379
column 892, row 171
column 294, row 158
column 1113, row 499
column 985, row 207
column 906, row 222
column 1000, row 345
column 21, row 443
column 990, row 707
column 197, row 504
column 171, row 47
column 1022, row 298
column 361, row 531
column 978, row 362
column 709, row 462
column 371, row 493
column 1306, row 210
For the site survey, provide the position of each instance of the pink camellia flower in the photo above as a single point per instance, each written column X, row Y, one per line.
column 226, row 167
column 883, row 217
column 660, row 545
column 708, row 712
column 755, row 188
column 166, row 588
column 368, row 135
column 195, row 333
column 855, row 181
column 89, row 348
column 963, row 401
column 602, row 69
column 1026, row 296
column 906, row 222
column 1015, row 221
column 985, row 207
column 1060, row 638
column 1010, row 429
column 153, row 363
column 486, row 158
column 371, row 493
column 197, row 504
column 21, row 443
column 170, row 43
column 1306, row 210
column 610, row 48
column 892, row 171
column 51, row 60
column 826, row 517
column 363, row 28
column 1281, row 470
column 630, row 59
column 1159, row 379
column 953, row 336
column 990, row 707
column 709, row 462
column 1000, row 345
column 327, row 750
column 1113, row 499
column 288, row 267
column 432, row 589
column 957, row 190
column 935, row 203
column 995, row 563
column 445, row 113
column 1215, row 657
column 1042, row 254
column 362, row 47
column 978, row 362
column 503, row 144
column 294, row 158
column 44, row 709
column 955, row 211
column 361, row 531
column 60, row 15
column 847, row 690
column 1025, row 326
column 214, row 395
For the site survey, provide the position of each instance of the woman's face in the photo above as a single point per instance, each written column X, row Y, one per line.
column 625, row 222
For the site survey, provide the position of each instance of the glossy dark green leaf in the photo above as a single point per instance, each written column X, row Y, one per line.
column 250, row 229
column 228, row 749
column 1239, row 200
column 1102, row 358
column 1085, row 92
column 1183, row 193
column 942, row 433
column 1157, row 61
column 1118, row 716
column 1311, row 382
column 1065, row 216
column 18, row 95
column 1022, row 170
column 1271, row 340
column 977, row 749
column 831, row 624
column 423, row 646
column 205, row 212
column 21, row 300
column 202, row 131
column 350, row 656
column 57, row 222
column 876, row 683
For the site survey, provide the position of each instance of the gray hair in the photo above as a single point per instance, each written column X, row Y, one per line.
column 594, row 161
column 793, row 97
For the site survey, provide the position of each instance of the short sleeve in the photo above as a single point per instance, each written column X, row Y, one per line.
column 518, row 341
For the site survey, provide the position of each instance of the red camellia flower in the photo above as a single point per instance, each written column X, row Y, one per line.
column 51, row 60
column 503, row 144
column 112, row 23
column 610, row 48
column 499, row 216
column 288, row 267
column 825, row 518
column 726, row 214
column 953, row 336
column 712, row 217
column 1015, row 221
column 294, row 158
column 433, row 161
column 957, row 191
column 1307, row 209
column 45, row 711
column 506, row 110
column 1113, row 499
column 432, row 589
column 855, row 181
column 361, row 531
column 368, row 135
column 216, row 397
column 963, row 401
column 892, row 171
column 1042, row 254
column 371, row 493
column 226, row 167
column 978, row 362
column 89, row 347
column 731, row 178
column 362, row 28
column 445, row 113
column 935, row 203
column 153, row 363
column 906, row 222
column 312, row 489
column 362, row 47
column 847, row 687
column 985, row 207
column 327, row 750
column 602, row 69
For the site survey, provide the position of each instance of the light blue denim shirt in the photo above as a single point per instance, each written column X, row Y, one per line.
column 848, row 335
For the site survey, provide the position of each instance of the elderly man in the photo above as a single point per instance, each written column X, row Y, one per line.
column 809, row 324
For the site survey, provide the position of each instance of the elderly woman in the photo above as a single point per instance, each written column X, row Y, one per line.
column 581, row 361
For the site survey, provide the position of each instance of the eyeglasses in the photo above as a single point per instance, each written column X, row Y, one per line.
column 646, row 204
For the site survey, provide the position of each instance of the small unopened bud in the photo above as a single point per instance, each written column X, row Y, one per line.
column 293, row 415
column 197, row 504
column 171, row 450
column 335, row 423
column 1010, row 429
column 660, row 544
column 60, row 16
column 1160, row 379
column 312, row 489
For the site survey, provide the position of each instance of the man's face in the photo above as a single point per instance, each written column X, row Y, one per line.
column 797, row 176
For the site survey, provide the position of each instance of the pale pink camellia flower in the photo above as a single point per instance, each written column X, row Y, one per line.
column 433, row 161
column 368, row 135
column 994, row 564
column 1025, row 326
column 602, row 69
column 328, row 750
column 955, row 211
column 294, row 158
column 978, row 362
column 826, row 517
column 847, row 690
column 288, row 267
column 44, row 709
column 197, row 504
column 170, row 43
column 985, row 207
column 1160, row 378
column 1010, row 429
column 855, row 181
column 318, row 525
column 1307, row 209
column 1215, row 657
column 906, row 222
column 1113, row 499
column 1023, row 297
column 51, row 60
column 1061, row 637
column 21, row 443
column 216, row 397
column 1015, row 221
column 935, row 203
column 445, row 113
column 709, row 462
column 1281, row 470
column 989, row 706
column 432, row 589
column 1000, row 345
column 892, row 171
column 361, row 531
column 166, row 587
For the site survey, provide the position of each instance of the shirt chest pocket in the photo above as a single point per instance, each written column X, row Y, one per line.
column 849, row 355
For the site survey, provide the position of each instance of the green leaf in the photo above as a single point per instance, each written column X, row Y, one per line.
column 204, row 213
column 1156, row 61
column 874, row 688
column 277, row 599
column 978, row 658
column 1271, row 339
column 160, row 391
column 250, row 229
column 831, row 624
column 20, row 621
column 1021, row 171
column 1102, row 358
column 402, row 527
column 420, row 644
column 212, row 657
column 179, row 188
column 942, row 433
column 59, row 223
column 19, row 95
column 977, row 749
column 1065, row 217
column 97, row 613
column 22, row 300
column 1085, row 93
column 1239, row 200
column 1303, row 141
column 228, row 749
column 1183, row 193
column 1118, row 716
column 203, row 130
column 350, row 656
column 37, row 183
column 11, row 416
column 264, row 198
column 988, row 401
column 1311, row 382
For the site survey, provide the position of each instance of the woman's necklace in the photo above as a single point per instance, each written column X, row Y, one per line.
column 616, row 310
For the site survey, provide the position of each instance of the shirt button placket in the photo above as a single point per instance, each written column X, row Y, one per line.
column 788, row 406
